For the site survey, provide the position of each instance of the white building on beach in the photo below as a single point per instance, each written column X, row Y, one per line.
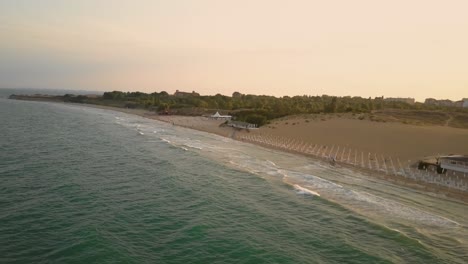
column 455, row 163
column 218, row 116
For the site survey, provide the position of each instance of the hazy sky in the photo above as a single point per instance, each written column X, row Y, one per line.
column 407, row 48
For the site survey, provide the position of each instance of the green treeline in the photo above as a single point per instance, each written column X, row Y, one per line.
column 256, row 109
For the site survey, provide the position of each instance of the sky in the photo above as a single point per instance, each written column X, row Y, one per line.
column 398, row 48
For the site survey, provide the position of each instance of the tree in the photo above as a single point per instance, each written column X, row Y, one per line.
column 332, row 106
column 236, row 95
column 256, row 119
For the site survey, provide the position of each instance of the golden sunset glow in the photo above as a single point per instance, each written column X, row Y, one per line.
column 360, row 48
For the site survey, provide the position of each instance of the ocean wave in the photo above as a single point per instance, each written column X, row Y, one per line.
column 193, row 146
column 367, row 203
column 301, row 190
column 165, row 140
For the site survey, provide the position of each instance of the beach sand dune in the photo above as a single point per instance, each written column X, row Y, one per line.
column 407, row 142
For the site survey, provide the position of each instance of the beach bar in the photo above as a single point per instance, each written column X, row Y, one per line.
column 457, row 163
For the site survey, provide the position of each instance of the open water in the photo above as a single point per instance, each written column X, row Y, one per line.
column 85, row 185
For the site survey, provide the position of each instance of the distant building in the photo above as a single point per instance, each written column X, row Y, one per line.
column 446, row 102
column 458, row 103
column 465, row 103
column 93, row 95
column 185, row 94
column 398, row 99
column 430, row 101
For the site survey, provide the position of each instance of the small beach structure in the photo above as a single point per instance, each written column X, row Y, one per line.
column 454, row 163
column 244, row 125
column 457, row 163
column 218, row 116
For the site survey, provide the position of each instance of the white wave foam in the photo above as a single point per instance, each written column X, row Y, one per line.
column 395, row 208
column 271, row 162
column 194, row 147
column 302, row 190
column 364, row 202
column 312, row 180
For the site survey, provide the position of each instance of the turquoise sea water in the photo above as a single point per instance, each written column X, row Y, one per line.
column 85, row 185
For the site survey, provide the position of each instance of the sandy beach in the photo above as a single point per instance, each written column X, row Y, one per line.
column 400, row 143
column 340, row 135
column 407, row 142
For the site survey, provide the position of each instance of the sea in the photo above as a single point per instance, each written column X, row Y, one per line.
column 86, row 185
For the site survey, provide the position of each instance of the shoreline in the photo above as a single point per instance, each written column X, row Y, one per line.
column 426, row 187
column 199, row 124
column 207, row 125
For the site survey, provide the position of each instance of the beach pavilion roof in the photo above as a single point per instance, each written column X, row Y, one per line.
column 217, row 115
